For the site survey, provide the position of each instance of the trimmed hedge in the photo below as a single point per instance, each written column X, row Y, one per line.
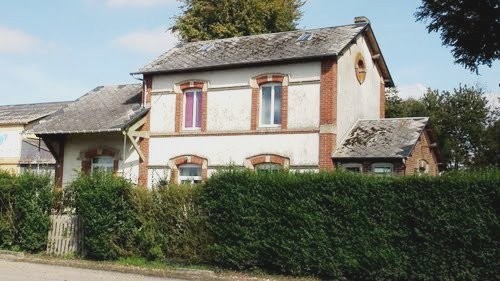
column 343, row 225
column 25, row 206
column 105, row 204
column 120, row 220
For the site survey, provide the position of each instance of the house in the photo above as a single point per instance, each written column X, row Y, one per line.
column 290, row 100
column 95, row 132
column 404, row 146
column 19, row 152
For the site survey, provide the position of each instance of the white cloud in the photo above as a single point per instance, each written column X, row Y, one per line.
column 412, row 91
column 15, row 41
column 152, row 42
column 138, row 3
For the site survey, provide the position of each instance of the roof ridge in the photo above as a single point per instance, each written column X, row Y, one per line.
column 37, row 103
column 272, row 33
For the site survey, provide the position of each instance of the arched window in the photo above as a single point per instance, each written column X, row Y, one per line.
column 192, row 109
column 423, row 167
column 360, row 68
column 190, row 173
column 102, row 164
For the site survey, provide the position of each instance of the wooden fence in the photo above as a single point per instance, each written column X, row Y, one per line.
column 65, row 236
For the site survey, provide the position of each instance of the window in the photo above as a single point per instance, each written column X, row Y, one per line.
column 382, row 168
column 360, row 68
column 192, row 109
column 353, row 167
column 423, row 167
column 190, row 173
column 270, row 167
column 270, row 104
column 102, row 163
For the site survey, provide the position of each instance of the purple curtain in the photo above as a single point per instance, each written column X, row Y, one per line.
column 188, row 118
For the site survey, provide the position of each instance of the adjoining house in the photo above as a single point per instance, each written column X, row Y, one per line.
column 18, row 151
column 404, row 146
column 96, row 132
column 287, row 100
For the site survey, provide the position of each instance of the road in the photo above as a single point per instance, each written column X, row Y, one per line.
column 22, row 271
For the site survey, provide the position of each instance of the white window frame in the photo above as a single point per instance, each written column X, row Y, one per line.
column 190, row 179
column 195, row 105
column 108, row 167
column 383, row 165
column 272, row 85
column 352, row 165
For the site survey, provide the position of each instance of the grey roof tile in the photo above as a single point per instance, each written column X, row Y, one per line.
column 382, row 138
column 104, row 109
column 25, row 113
column 255, row 49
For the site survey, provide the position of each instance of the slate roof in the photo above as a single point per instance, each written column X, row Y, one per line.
column 382, row 138
column 104, row 109
column 25, row 113
column 30, row 154
column 255, row 49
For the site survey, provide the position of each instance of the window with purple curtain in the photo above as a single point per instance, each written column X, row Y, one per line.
column 192, row 109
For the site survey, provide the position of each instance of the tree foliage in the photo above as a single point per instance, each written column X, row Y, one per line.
column 215, row 19
column 470, row 27
column 465, row 125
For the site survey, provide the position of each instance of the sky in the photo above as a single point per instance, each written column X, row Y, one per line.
column 58, row 50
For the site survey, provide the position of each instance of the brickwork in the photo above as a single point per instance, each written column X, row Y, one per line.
column 175, row 162
column 422, row 152
column 382, row 99
column 94, row 152
column 144, row 142
column 328, row 113
column 268, row 158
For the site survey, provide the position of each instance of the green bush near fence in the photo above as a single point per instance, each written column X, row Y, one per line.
column 25, row 206
column 342, row 225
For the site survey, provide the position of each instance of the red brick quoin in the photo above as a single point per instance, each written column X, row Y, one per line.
column 328, row 113
column 175, row 162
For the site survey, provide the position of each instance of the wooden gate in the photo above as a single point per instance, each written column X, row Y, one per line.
column 65, row 235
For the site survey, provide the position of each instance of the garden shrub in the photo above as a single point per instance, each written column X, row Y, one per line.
column 357, row 227
column 105, row 204
column 173, row 225
column 25, row 207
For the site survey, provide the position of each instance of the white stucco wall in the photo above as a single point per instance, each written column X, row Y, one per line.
column 302, row 149
column 356, row 101
column 76, row 144
column 10, row 147
column 229, row 97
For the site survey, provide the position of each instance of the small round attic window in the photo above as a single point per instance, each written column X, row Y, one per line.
column 360, row 68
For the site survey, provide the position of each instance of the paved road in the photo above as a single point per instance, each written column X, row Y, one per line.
column 22, row 271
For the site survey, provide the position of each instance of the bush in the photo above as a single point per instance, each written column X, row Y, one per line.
column 173, row 225
column 343, row 225
column 105, row 204
column 25, row 206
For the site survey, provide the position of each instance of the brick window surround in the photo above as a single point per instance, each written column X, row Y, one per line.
column 87, row 156
column 175, row 162
column 255, row 83
column 252, row 161
column 179, row 100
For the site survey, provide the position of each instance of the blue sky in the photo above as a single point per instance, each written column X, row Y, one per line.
column 57, row 50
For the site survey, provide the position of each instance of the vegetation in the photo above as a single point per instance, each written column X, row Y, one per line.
column 215, row 19
column 470, row 27
column 345, row 226
column 25, row 206
column 465, row 125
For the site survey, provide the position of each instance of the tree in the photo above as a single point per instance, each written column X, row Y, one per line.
column 470, row 27
column 465, row 126
column 215, row 19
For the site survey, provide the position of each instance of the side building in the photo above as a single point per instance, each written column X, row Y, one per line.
column 19, row 151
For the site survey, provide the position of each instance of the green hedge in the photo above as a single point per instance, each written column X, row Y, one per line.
column 343, row 225
column 25, row 206
column 120, row 220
